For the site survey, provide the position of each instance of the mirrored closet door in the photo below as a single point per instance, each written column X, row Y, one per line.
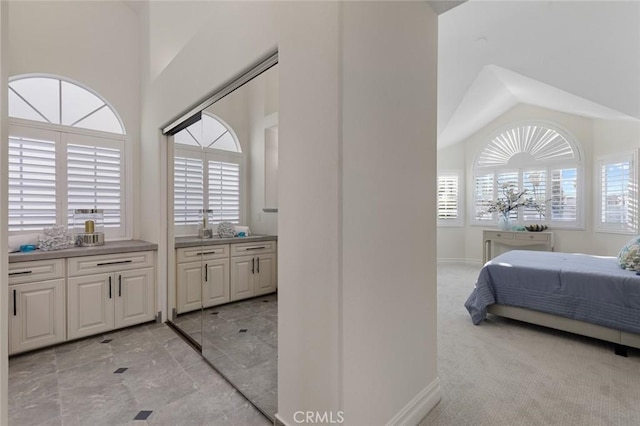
column 224, row 294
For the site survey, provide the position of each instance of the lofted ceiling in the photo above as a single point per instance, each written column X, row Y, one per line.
column 577, row 57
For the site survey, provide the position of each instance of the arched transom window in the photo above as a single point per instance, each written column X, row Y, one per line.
column 66, row 152
column 57, row 101
column 207, row 174
column 539, row 158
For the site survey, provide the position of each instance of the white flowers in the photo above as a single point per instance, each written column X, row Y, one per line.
column 511, row 200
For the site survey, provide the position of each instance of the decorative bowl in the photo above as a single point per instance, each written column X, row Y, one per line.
column 536, row 228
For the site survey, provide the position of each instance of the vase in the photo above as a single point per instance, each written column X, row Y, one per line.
column 504, row 222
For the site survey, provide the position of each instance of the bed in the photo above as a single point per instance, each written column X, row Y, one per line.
column 578, row 293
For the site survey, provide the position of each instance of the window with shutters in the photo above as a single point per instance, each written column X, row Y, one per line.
column 449, row 199
column 66, row 152
column 618, row 194
column 207, row 174
column 539, row 158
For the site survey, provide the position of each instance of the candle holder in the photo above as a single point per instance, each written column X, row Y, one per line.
column 204, row 230
column 88, row 227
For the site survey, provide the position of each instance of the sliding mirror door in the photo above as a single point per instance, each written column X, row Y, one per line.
column 224, row 169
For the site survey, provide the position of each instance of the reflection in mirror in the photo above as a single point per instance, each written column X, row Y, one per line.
column 225, row 288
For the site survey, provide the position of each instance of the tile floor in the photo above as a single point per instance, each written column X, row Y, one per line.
column 240, row 339
column 140, row 375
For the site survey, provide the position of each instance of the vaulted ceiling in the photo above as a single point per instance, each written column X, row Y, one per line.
column 577, row 57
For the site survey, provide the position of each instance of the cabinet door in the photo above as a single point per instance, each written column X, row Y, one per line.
column 37, row 315
column 90, row 301
column 188, row 286
column 242, row 277
column 134, row 297
column 216, row 282
column 265, row 278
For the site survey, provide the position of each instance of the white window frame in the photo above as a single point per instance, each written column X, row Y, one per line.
column 459, row 220
column 634, row 174
column 112, row 140
column 547, row 165
column 206, row 155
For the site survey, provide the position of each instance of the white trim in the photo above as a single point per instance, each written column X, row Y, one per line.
column 67, row 129
column 418, row 408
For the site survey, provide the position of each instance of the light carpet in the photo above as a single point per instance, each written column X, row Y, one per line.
column 505, row 372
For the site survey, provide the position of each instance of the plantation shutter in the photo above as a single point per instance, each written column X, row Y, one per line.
column 188, row 186
column 483, row 196
column 563, row 202
column 224, row 191
column 618, row 197
column 32, row 179
column 535, row 182
column 95, row 179
column 448, row 198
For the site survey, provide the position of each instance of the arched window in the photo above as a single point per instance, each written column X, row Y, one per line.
column 66, row 152
column 207, row 174
column 539, row 158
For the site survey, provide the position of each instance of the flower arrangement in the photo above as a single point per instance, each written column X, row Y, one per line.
column 512, row 200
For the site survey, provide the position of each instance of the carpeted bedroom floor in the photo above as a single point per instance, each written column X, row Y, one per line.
column 505, row 372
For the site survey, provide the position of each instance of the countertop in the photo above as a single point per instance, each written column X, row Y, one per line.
column 182, row 242
column 109, row 247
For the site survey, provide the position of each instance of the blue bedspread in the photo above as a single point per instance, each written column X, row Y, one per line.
column 587, row 288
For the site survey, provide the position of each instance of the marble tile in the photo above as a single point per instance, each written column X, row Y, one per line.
column 242, row 413
column 32, row 365
column 157, row 382
column 180, row 350
column 257, row 379
column 56, row 421
column 204, row 376
column 249, row 351
column 81, row 352
column 267, row 401
column 100, row 371
column 95, row 404
column 130, row 339
column 163, row 333
column 34, row 401
column 205, row 407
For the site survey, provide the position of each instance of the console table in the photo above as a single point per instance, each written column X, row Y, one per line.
column 514, row 238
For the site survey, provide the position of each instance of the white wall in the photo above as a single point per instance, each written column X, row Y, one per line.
column 93, row 43
column 316, row 283
column 596, row 137
column 4, row 278
column 389, row 77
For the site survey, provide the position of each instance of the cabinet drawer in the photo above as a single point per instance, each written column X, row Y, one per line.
column 38, row 270
column 498, row 235
column 192, row 254
column 530, row 236
column 249, row 249
column 89, row 265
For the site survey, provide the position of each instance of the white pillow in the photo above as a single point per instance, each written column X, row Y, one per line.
column 629, row 256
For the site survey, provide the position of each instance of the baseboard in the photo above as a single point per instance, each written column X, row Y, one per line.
column 461, row 260
column 418, row 408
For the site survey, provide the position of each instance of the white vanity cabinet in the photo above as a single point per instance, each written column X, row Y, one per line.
column 202, row 277
column 37, row 304
column 253, row 269
column 110, row 291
